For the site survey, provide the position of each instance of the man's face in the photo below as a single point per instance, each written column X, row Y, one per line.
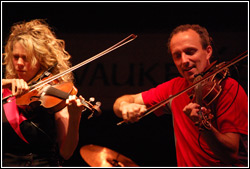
column 188, row 55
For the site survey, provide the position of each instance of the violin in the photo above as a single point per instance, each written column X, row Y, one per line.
column 47, row 92
column 53, row 97
column 207, row 85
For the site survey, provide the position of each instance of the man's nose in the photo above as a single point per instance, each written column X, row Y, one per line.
column 184, row 58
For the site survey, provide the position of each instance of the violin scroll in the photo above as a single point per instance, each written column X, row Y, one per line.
column 95, row 109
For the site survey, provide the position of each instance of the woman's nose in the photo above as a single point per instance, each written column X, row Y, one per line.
column 20, row 61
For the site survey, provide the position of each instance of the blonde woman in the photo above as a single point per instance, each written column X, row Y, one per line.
column 32, row 136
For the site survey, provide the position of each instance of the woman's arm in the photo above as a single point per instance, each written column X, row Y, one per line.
column 68, row 122
column 17, row 86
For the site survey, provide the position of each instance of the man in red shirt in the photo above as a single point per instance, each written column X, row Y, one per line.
column 213, row 143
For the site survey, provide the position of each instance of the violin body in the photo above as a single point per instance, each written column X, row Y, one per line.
column 53, row 101
column 210, row 92
column 53, row 97
column 207, row 91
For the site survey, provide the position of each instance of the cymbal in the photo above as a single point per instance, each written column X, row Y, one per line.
column 97, row 156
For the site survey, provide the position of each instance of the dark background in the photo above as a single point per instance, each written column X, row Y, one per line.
column 90, row 28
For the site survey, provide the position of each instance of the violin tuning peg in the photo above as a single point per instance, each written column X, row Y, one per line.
column 98, row 104
column 91, row 99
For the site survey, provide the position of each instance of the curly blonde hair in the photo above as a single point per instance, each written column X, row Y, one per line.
column 41, row 46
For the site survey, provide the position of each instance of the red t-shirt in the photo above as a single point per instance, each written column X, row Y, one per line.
column 232, row 118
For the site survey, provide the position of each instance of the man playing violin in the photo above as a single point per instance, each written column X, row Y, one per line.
column 32, row 136
column 217, row 141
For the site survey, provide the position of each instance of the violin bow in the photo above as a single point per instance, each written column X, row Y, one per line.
column 115, row 46
column 163, row 102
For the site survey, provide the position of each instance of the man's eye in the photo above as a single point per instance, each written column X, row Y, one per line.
column 190, row 52
column 176, row 55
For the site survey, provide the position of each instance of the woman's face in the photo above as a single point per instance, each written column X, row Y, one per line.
column 23, row 68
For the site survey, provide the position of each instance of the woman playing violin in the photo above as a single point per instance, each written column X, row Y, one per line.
column 32, row 136
column 215, row 143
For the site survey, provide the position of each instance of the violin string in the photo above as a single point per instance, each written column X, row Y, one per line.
column 117, row 45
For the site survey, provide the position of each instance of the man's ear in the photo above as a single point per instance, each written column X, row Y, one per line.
column 209, row 51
